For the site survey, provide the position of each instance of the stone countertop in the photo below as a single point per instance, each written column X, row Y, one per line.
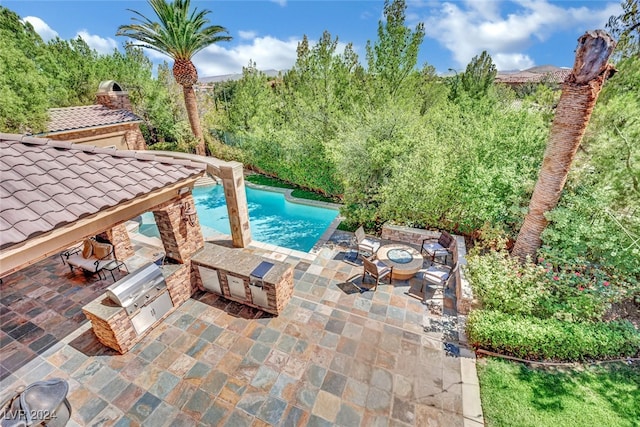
column 103, row 308
column 239, row 262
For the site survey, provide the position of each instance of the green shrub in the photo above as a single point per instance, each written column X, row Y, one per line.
column 551, row 339
column 501, row 283
column 577, row 294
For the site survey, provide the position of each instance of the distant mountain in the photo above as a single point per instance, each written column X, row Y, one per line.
column 545, row 69
column 237, row 76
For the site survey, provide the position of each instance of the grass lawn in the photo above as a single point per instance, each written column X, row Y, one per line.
column 297, row 192
column 514, row 395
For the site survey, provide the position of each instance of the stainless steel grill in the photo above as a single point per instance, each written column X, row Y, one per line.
column 144, row 296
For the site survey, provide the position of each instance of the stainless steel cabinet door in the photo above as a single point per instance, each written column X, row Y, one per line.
column 150, row 313
column 236, row 287
column 210, row 279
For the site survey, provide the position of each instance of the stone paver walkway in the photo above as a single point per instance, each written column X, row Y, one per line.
column 335, row 356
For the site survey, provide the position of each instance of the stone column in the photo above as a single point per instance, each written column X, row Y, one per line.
column 232, row 177
column 119, row 238
column 134, row 138
column 179, row 237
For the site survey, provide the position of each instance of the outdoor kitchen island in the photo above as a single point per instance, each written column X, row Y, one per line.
column 242, row 276
column 120, row 318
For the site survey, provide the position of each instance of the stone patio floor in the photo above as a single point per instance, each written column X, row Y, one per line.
column 335, row 356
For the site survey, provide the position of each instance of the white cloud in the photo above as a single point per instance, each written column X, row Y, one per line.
column 267, row 52
column 280, row 2
column 512, row 61
column 467, row 28
column 100, row 44
column 247, row 35
column 41, row 27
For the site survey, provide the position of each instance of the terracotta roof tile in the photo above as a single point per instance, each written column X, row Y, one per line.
column 73, row 118
column 45, row 184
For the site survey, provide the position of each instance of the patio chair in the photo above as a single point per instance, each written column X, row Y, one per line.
column 92, row 257
column 439, row 275
column 442, row 247
column 366, row 244
column 376, row 269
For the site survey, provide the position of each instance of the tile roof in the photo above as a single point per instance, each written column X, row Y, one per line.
column 45, row 184
column 73, row 118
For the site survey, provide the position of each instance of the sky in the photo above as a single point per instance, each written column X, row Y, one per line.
column 517, row 34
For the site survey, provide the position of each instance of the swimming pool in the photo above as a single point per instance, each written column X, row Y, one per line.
column 273, row 219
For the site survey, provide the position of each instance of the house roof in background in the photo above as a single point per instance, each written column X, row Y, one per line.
column 540, row 74
column 89, row 116
column 46, row 184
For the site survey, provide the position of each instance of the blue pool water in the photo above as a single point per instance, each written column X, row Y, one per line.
column 273, row 219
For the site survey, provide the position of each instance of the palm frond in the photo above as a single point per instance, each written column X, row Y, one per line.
column 177, row 33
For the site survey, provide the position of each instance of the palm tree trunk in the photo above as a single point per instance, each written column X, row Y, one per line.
column 579, row 94
column 194, row 118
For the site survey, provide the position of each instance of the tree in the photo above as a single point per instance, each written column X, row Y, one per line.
column 477, row 78
column 626, row 29
column 179, row 34
column 579, row 94
column 23, row 86
column 393, row 57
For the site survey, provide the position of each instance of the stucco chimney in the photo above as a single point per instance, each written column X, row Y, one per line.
column 111, row 95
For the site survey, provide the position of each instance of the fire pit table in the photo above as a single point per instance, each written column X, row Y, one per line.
column 405, row 260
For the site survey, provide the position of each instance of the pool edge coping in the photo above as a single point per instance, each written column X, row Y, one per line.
column 287, row 195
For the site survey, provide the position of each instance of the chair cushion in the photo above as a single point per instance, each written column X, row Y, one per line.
column 438, row 273
column 433, row 248
column 370, row 243
column 85, row 263
column 87, row 248
column 380, row 266
column 102, row 250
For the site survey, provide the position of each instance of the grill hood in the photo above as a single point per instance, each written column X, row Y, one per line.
column 133, row 291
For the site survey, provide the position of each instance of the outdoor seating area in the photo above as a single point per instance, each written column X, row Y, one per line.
column 334, row 355
column 93, row 257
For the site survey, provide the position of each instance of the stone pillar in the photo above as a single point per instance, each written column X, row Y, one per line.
column 179, row 237
column 232, row 177
column 134, row 138
column 119, row 238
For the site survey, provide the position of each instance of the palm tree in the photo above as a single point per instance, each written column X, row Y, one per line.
column 579, row 94
column 179, row 34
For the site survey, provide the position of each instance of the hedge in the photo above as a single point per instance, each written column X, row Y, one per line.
column 551, row 339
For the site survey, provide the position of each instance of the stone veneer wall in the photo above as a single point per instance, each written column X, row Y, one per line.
column 119, row 238
column 115, row 100
column 133, row 135
column 180, row 239
column 180, row 285
column 414, row 236
column 465, row 300
column 117, row 332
